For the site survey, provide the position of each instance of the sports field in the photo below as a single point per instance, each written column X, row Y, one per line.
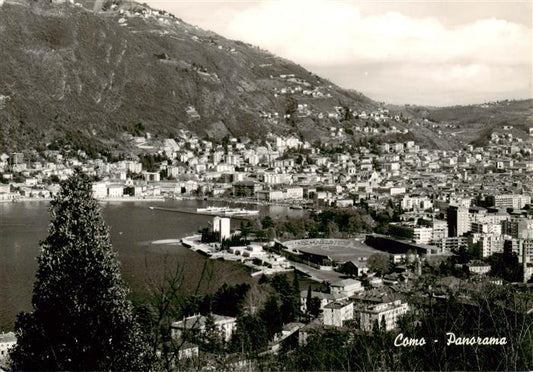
column 340, row 250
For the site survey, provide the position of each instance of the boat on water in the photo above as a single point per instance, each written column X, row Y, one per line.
column 227, row 211
column 298, row 207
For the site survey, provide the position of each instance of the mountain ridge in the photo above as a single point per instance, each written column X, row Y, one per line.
column 69, row 72
column 70, row 76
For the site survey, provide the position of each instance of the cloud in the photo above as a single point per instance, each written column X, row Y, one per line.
column 308, row 30
column 494, row 55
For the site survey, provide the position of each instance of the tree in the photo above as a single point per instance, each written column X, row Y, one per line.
column 250, row 335
column 289, row 296
column 314, row 307
column 291, row 110
column 229, row 299
column 211, row 338
column 166, row 303
column 309, row 297
column 270, row 314
column 505, row 265
column 312, row 304
column 246, row 229
column 267, row 222
column 81, row 318
column 379, row 262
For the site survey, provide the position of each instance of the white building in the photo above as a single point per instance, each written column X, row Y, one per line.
column 225, row 168
column 409, row 203
column 511, row 201
column 479, row 268
column 225, row 324
column 270, row 195
column 277, row 178
column 223, row 226
column 151, row 176
column 522, row 247
column 132, row 166
column 486, row 228
column 440, row 230
column 99, row 190
column 385, row 314
column 346, row 287
column 520, row 228
column 115, row 191
column 491, row 243
column 336, row 313
column 188, row 351
column 325, row 298
column 7, row 341
column 422, row 235
column 294, row 193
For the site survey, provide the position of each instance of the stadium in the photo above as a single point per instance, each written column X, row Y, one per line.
column 324, row 252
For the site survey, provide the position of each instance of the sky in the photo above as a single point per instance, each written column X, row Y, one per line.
column 417, row 52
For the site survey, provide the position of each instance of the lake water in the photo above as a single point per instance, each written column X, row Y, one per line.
column 134, row 228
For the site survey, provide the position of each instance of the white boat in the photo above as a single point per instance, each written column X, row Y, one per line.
column 243, row 212
column 227, row 211
column 211, row 210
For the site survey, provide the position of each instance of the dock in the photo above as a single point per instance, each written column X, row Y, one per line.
column 194, row 244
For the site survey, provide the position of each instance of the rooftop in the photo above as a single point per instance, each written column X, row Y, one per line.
column 338, row 304
column 345, row 283
column 198, row 321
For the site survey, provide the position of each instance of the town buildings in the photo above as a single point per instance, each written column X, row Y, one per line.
column 447, row 200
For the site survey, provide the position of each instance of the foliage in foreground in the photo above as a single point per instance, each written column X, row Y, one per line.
column 497, row 312
column 81, row 319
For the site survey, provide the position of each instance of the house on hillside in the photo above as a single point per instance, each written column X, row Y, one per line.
column 338, row 312
column 325, row 298
column 225, row 324
column 346, row 287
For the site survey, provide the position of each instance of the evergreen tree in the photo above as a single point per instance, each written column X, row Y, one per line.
column 251, row 336
column 271, row 315
column 296, row 284
column 312, row 304
column 81, row 318
column 289, row 296
column 211, row 338
column 314, row 307
column 309, row 298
